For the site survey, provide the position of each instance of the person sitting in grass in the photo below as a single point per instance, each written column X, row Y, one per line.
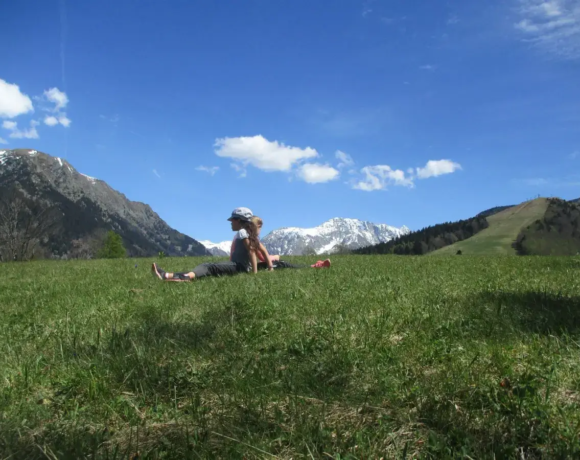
column 243, row 257
column 273, row 262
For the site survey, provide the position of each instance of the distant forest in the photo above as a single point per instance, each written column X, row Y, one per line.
column 428, row 239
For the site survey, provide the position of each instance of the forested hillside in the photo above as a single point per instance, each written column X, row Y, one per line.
column 558, row 233
column 429, row 239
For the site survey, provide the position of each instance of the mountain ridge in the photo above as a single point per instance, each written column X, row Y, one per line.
column 221, row 249
column 89, row 206
column 333, row 234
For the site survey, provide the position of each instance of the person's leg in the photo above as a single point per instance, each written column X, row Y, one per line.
column 322, row 264
column 201, row 271
column 217, row 269
column 283, row 264
column 169, row 276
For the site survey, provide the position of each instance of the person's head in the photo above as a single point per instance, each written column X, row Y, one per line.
column 239, row 216
column 258, row 222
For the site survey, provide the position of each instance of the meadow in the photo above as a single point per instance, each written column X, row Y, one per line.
column 503, row 230
column 377, row 357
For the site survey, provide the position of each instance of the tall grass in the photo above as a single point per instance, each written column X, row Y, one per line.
column 380, row 356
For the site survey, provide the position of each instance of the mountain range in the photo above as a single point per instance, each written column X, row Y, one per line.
column 331, row 236
column 87, row 207
column 218, row 249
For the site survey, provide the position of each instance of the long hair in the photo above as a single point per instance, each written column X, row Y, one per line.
column 257, row 221
column 252, row 230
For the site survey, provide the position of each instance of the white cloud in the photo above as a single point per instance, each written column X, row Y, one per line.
column 262, row 153
column 344, row 159
column 16, row 133
column 58, row 97
column 53, row 121
column 210, row 170
column 3, row 141
column 435, row 168
column 60, row 101
column 50, row 120
column 315, row 173
column 380, row 176
column 552, row 26
column 427, row 67
column 12, row 101
column 63, row 120
column 156, row 173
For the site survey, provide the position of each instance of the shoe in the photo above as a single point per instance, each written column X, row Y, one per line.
column 158, row 272
column 322, row 264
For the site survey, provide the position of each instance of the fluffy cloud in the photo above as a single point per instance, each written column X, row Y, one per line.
column 63, row 120
column 437, row 168
column 262, row 153
column 12, row 101
column 57, row 97
column 16, row 133
column 315, row 173
column 551, row 25
column 50, row 120
column 344, row 159
column 210, row 170
column 380, row 176
column 3, row 141
column 60, row 101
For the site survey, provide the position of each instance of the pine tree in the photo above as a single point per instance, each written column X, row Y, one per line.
column 112, row 247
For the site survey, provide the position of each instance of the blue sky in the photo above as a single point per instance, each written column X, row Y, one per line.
column 399, row 112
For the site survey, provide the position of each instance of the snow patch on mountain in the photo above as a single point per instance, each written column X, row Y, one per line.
column 92, row 180
column 329, row 236
column 218, row 249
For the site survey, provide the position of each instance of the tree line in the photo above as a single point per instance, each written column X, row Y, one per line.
column 429, row 238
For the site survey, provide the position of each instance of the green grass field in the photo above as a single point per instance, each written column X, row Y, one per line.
column 380, row 356
column 503, row 229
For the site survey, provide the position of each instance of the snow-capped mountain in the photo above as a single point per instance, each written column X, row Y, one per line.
column 326, row 238
column 218, row 249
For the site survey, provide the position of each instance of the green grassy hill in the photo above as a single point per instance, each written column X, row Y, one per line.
column 557, row 234
column 377, row 357
column 503, row 230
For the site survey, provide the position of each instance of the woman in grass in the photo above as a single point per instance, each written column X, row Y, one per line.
column 272, row 262
column 243, row 257
column 244, row 254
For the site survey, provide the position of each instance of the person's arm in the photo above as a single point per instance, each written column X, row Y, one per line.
column 253, row 258
column 267, row 256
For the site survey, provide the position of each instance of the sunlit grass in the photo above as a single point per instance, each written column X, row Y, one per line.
column 378, row 356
